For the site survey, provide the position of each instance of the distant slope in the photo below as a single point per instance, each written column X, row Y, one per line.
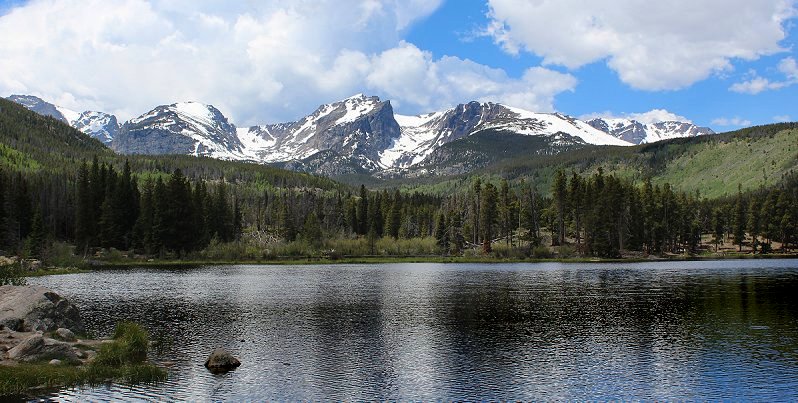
column 713, row 165
column 30, row 142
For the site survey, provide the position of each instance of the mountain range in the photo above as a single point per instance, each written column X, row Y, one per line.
column 360, row 134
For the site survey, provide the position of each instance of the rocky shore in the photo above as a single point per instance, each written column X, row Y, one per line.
column 37, row 325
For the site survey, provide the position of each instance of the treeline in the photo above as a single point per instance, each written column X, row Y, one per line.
column 602, row 215
column 156, row 214
column 113, row 211
column 159, row 214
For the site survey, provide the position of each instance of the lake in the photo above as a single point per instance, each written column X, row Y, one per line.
column 552, row 331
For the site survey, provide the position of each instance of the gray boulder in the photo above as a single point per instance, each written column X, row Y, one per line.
column 36, row 308
column 220, row 360
column 37, row 348
column 65, row 334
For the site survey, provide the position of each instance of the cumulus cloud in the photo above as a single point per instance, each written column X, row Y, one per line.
column 756, row 84
column 408, row 73
column 735, row 121
column 651, row 45
column 257, row 62
column 782, row 118
column 652, row 116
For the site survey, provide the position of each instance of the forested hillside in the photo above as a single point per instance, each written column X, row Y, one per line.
column 711, row 165
column 61, row 188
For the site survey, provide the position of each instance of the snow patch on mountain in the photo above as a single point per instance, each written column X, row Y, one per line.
column 99, row 125
column 70, row 115
column 637, row 132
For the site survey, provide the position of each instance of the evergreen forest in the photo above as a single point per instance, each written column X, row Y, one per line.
column 64, row 193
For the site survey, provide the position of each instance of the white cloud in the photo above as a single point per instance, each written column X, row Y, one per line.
column 258, row 62
column 789, row 67
column 757, row 84
column 651, row 45
column 735, row 121
column 782, row 118
column 408, row 73
column 652, row 116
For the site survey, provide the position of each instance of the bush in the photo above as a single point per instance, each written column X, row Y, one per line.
column 129, row 346
column 12, row 274
column 542, row 252
column 61, row 254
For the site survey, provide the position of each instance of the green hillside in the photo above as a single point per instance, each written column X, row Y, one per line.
column 715, row 168
column 710, row 165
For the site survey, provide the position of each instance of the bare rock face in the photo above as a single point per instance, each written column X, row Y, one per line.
column 220, row 360
column 38, row 348
column 36, row 308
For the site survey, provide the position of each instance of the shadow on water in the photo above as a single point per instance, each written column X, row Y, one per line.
column 683, row 330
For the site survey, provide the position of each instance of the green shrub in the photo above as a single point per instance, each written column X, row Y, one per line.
column 12, row 274
column 129, row 346
column 61, row 254
column 542, row 252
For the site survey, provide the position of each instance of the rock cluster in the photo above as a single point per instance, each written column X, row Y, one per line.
column 36, row 308
column 39, row 348
column 26, row 314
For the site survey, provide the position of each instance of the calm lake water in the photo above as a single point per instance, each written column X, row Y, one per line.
column 664, row 330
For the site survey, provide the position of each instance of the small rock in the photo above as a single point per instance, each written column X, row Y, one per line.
column 55, row 362
column 66, row 334
column 80, row 354
column 220, row 360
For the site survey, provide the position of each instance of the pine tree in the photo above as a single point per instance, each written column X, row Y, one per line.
column 311, row 231
column 35, row 242
column 575, row 201
column 718, row 227
column 363, row 212
column 489, row 215
column 287, row 225
column 395, row 216
column 476, row 214
column 457, row 238
column 753, row 224
column 505, row 211
column 739, row 220
column 143, row 229
column 442, row 234
column 559, row 192
column 83, row 210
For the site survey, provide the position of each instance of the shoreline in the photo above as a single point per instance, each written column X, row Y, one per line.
column 425, row 259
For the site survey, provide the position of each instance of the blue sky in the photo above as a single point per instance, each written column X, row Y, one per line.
column 719, row 63
column 454, row 28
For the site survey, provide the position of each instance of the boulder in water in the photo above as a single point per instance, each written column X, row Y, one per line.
column 220, row 360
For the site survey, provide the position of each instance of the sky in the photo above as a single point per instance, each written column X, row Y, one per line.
column 718, row 63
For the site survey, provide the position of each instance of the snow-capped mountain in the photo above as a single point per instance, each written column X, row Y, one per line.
column 181, row 128
column 359, row 134
column 99, row 125
column 45, row 108
column 421, row 135
column 359, row 127
column 638, row 133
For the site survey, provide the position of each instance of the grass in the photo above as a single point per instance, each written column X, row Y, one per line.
column 123, row 360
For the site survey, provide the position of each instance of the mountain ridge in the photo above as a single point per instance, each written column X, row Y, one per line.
column 360, row 130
